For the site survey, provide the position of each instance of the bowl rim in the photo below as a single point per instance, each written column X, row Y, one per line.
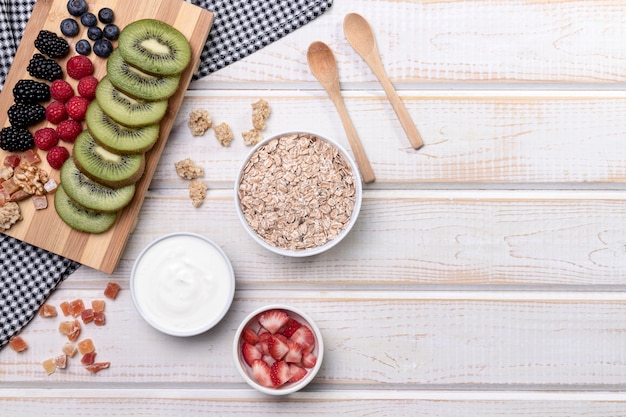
column 191, row 332
column 285, row 390
column 319, row 249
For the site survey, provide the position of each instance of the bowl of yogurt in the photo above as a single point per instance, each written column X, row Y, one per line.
column 182, row 284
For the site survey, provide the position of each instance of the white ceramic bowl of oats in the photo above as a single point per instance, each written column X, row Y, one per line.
column 298, row 194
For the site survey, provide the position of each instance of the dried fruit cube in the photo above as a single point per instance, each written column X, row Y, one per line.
column 76, row 307
column 111, row 290
column 31, row 156
column 65, row 327
column 86, row 346
column 98, row 306
column 97, row 367
column 11, row 161
column 87, row 315
column 47, row 311
column 74, row 331
column 18, row 344
column 65, row 308
column 70, row 349
column 49, row 365
column 99, row 319
column 50, row 185
column 61, row 361
column 88, row 358
column 40, row 202
column 10, row 186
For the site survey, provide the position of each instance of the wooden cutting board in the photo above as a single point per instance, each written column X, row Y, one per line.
column 43, row 228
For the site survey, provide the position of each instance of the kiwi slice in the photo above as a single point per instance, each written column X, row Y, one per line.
column 155, row 47
column 137, row 83
column 92, row 195
column 118, row 138
column 105, row 167
column 127, row 110
column 80, row 218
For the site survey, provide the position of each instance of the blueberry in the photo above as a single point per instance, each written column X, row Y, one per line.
column 69, row 27
column 88, row 19
column 83, row 47
column 76, row 7
column 106, row 15
column 94, row 33
column 102, row 48
column 111, row 31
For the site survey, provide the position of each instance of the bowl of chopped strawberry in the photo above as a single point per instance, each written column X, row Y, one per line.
column 278, row 349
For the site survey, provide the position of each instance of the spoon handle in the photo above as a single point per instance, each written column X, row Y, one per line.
column 367, row 173
column 398, row 106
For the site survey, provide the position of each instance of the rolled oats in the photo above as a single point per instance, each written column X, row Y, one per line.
column 297, row 192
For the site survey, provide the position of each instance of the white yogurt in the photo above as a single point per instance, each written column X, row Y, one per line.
column 182, row 284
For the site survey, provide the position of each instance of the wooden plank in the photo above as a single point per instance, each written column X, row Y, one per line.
column 422, row 340
column 118, row 402
column 44, row 228
column 461, row 42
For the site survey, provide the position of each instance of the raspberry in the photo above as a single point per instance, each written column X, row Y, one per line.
column 61, row 90
column 57, row 156
column 46, row 138
column 87, row 87
column 68, row 130
column 79, row 66
column 76, row 107
column 55, row 112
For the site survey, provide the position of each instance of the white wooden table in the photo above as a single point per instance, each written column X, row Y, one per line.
column 486, row 273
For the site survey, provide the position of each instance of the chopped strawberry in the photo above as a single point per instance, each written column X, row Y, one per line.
column 294, row 355
column 273, row 320
column 291, row 326
column 304, row 337
column 296, row 372
column 277, row 348
column 264, row 346
column 261, row 373
column 279, row 373
column 250, row 336
column 309, row 360
column 250, row 353
column 268, row 360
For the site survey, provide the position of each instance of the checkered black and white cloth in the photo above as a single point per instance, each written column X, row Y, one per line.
column 28, row 274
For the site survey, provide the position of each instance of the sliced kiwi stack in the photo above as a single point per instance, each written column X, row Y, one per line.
column 155, row 47
column 116, row 137
column 79, row 217
column 111, row 169
column 125, row 109
column 123, row 123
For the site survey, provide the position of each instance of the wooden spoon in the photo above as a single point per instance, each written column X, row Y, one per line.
column 324, row 67
column 360, row 35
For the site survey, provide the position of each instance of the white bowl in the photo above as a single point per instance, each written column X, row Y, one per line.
column 182, row 284
column 358, row 192
column 251, row 322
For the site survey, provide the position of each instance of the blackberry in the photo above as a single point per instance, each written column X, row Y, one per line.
column 51, row 44
column 31, row 91
column 24, row 115
column 16, row 139
column 44, row 68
